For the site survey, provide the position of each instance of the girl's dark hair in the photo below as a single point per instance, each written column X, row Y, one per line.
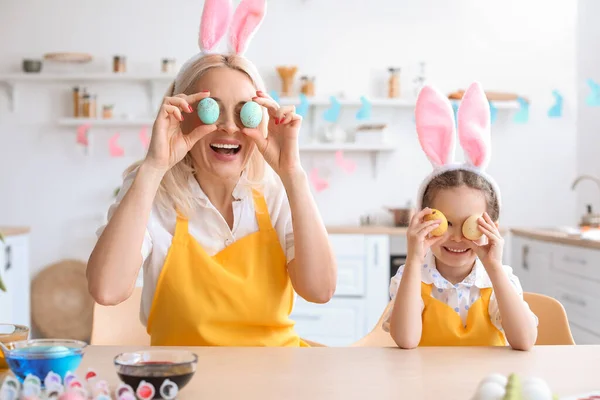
column 461, row 177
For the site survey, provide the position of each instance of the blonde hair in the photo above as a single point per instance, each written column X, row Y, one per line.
column 174, row 190
column 461, row 177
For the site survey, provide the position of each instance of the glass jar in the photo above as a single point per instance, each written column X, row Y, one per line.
column 394, row 83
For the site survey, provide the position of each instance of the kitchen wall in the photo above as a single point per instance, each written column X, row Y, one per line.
column 523, row 46
column 588, row 125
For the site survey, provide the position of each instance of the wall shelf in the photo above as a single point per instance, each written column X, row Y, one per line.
column 11, row 81
column 113, row 122
column 381, row 102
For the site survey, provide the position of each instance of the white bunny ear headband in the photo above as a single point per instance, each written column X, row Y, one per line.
column 436, row 130
column 217, row 18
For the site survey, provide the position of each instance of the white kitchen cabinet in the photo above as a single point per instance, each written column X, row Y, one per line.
column 568, row 273
column 14, row 269
column 360, row 297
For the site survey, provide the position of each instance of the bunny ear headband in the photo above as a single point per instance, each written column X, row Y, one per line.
column 217, row 18
column 436, row 130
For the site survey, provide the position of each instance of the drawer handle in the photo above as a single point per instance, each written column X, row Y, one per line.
column 574, row 260
column 525, row 253
column 8, row 251
column 574, row 300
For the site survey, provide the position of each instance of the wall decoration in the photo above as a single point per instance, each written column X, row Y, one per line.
column 113, row 147
column 82, row 135
column 347, row 166
column 143, row 136
column 556, row 110
column 333, row 112
column 318, row 183
column 365, row 110
column 593, row 99
column 274, row 95
column 493, row 112
column 302, row 108
column 522, row 116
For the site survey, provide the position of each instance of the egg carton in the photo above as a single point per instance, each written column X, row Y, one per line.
column 501, row 387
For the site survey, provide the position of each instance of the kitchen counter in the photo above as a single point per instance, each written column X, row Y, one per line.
column 556, row 236
column 14, row 230
column 366, row 230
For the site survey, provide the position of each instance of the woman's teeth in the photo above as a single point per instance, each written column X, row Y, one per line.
column 456, row 250
column 225, row 148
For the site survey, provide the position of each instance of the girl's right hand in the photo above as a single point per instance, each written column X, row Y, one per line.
column 418, row 238
column 169, row 144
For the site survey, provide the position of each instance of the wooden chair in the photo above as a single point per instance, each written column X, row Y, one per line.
column 553, row 325
column 120, row 325
column 378, row 337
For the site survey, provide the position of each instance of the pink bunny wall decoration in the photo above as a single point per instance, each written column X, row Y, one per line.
column 436, row 129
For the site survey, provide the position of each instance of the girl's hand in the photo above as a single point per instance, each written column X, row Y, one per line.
column 489, row 251
column 280, row 147
column 169, row 144
column 418, row 238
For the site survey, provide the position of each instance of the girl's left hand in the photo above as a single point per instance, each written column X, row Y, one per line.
column 280, row 147
column 489, row 251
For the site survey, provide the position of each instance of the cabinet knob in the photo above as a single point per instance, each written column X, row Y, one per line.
column 8, row 251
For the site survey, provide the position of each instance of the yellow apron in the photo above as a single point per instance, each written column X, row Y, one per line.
column 242, row 296
column 442, row 326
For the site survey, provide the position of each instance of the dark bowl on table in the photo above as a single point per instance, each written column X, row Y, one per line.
column 156, row 367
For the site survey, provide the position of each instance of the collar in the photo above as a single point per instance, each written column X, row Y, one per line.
column 430, row 275
column 241, row 191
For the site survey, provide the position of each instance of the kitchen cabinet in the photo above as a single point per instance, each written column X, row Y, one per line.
column 568, row 273
column 14, row 269
column 361, row 293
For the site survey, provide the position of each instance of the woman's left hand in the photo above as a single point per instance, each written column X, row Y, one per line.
column 489, row 251
column 280, row 147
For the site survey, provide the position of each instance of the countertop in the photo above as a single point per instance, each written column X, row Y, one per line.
column 555, row 236
column 14, row 230
column 366, row 230
column 331, row 373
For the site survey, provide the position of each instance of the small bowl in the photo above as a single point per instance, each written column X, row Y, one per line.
column 40, row 356
column 11, row 333
column 155, row 367
column 32, row 65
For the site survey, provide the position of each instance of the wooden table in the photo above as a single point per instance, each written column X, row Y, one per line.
column 363, row 373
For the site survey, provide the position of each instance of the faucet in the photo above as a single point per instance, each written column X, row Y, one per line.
column 589, row 219
column 584, row 177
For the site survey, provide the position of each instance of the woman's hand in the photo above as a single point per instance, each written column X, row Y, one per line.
column 169, row 144
column 280, row 147
column 489, row 251
column 419, row 241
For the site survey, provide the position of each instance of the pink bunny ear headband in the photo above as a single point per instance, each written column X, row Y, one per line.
column 436, row 130
column 217, row 18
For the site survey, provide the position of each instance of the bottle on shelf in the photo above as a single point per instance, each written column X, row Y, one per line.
column 76, row 102
column 394, row 83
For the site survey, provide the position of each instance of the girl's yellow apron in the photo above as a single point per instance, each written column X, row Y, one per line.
column 442, row 326
column 242, row 296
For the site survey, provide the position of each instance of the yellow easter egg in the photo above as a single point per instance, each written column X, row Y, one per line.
column 437, row 215
column 470, row 228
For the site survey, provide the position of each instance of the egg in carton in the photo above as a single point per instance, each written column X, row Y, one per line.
column 499, row 387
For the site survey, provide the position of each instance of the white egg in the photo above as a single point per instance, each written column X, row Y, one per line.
column 497, row 378
column 536, row 390
column 490, row 391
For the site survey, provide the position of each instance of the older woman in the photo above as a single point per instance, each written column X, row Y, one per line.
column 224, row 245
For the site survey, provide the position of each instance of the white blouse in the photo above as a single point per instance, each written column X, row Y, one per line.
column 458, row 296
column 208, row 227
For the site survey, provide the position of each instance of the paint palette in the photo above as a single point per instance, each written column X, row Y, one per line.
column 156, row 374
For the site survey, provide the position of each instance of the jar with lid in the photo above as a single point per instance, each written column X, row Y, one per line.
column 76, row 102
column 85, row 105
column 394, row 83
column 308, row 85
column 168, row 65
column 93, row 106
column 107, row 111
column 119, row 64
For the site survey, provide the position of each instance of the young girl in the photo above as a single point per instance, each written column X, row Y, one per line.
column 453, row 291
column 224, row 249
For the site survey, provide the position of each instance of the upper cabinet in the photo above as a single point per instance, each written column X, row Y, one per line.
column 14, row 270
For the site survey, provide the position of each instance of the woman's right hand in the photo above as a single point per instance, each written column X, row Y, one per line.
column 419, row 241
column 169, row 144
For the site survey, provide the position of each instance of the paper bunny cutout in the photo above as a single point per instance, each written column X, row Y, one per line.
column 217, row 18
column 437, row 133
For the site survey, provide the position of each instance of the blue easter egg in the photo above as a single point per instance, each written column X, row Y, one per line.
column 251, row 114
column 208, row 111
